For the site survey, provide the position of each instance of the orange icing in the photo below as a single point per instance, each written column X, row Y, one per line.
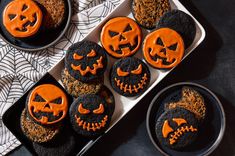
column 23, row 11
column 91, row 54
column 118, row 25
column 91, row 126
column 49, row 93
column 169, row 38
column 77, row 57
column 88, row 69
column 179, row 121
column 138, row 70
column 166, row 129
column 82, row 110
column 121, row 73
column 100, row 110
column 131, row 88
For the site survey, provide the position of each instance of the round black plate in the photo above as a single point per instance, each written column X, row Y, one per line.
column 211, row 132
column 41, row 41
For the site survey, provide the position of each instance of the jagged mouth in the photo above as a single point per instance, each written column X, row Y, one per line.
column 132, row 88
column 93, row 71
column 179, row 132
column 91, row 126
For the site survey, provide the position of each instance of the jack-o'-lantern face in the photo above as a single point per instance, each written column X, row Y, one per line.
column 90, row 115
column 177, row 128
column 47, row 104
column 86, row 61
column 130, row 76
column 121, row 37
column 163, row 48
column 22, row 18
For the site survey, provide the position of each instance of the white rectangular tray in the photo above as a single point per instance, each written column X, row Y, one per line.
column 125, row 104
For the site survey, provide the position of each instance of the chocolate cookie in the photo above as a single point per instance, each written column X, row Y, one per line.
column 121, row 37
column 47, row 104
column 190, row 100
column 180, row 22
column 54, row 12
column 163, row 48
column 89, row 115
column 129, row 76
column 78, row 88
column 36, row 132
column 86, row 61
column 148, row 12
column 177, row 128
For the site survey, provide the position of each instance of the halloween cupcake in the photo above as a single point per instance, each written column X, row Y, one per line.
column 86, row 61
column 177, row 128
column 129, row 76
column 54, row 12
column 148, row 12
column 163, row 48
column 22, row 18
column 47, row 105
column 90, row 115
column 121, row 37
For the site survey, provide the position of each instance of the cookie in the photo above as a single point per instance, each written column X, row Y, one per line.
column 181, row 23
column 36, row 132
column 78, row 88
column 129, row 76
column 163, row 48
column 108, row 96
column 121, row 37
column 176, row 128
column 63, row 145
column 192, row 101
column 47, row 104
column 22, row 18
column 86, row 61
column 148, row 12
column 54, row 12
column 89, row 115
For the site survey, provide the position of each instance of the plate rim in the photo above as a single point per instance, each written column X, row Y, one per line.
column 223, row 119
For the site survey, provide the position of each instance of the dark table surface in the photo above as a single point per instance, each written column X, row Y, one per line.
column 212, row 64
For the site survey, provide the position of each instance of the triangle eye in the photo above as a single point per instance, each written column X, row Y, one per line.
column 99, row 110
column 38, row 98
column 138, row 70
column 82, row 110
column 173, row 47
column 112, row 33
column 179, row 121
column 128, row 28
column 159, row 42
column 121, row 73
column 11, row 16
column 57, row 100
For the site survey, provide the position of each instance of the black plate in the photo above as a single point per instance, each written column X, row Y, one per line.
column 213, row 128
column 11, row 118
column 41, row 41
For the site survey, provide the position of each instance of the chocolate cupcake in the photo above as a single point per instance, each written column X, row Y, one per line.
column 54, row 12
column 148, row 12
column 86, row 61
column 130, row 76
column 36, row 132
column 78, row 88
column 177, row 128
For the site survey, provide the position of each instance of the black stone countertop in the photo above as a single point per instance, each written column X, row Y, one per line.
column 212, row 64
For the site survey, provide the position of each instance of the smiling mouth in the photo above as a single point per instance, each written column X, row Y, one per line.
column 179, row 132
column 132, row 88
column 91, row 126
column 93, row 71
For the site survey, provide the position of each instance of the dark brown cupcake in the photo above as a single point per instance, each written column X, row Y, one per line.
column 54, row 12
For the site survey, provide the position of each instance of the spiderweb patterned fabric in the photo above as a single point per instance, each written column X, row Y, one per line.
column 20, row 70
